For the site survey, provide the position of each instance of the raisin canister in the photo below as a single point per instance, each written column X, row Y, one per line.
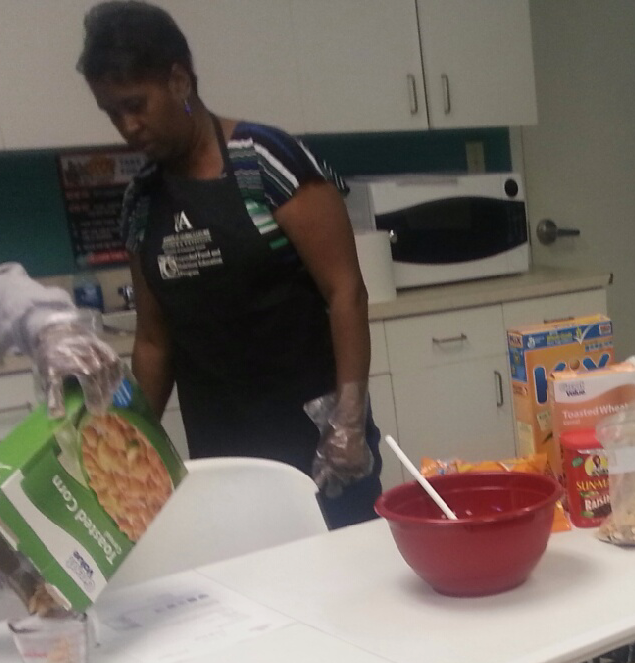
column 586, row 477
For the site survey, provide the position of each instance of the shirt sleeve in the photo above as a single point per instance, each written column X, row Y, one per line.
column 285, row 163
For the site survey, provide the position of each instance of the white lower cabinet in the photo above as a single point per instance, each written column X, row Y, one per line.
column 450, row 385
column 447, row 377
column 458, row 411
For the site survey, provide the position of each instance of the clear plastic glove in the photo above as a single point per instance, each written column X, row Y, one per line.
column 342, row 456
column 66, row 347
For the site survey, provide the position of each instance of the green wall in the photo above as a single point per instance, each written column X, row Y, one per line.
column 33, row 228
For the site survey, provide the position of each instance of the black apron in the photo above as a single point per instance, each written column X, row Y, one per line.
column 250, row 331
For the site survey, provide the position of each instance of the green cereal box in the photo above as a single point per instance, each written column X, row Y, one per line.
column 77, row 493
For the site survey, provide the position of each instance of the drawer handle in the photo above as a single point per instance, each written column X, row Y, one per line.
column 450, row 339
column 500, row 396
column 16, row 408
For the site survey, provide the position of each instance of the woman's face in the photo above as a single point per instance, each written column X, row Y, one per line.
column 149, row 115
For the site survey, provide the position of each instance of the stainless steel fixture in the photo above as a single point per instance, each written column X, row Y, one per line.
column 547, row 232
column 127, row 292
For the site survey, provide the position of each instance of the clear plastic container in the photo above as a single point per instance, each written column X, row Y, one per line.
column 63, row 640
column 617, row 435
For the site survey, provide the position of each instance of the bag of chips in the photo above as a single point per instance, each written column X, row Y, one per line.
column 532, row 464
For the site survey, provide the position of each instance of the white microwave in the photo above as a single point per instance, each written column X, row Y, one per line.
column 445, row 228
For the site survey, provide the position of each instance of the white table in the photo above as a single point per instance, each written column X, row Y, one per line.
column 351, row 597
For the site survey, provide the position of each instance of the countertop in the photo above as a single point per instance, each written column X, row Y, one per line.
column 539, row 282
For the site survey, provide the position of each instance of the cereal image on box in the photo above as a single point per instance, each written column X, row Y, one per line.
column 125, row 472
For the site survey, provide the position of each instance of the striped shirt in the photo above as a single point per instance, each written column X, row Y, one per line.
column 269, row 165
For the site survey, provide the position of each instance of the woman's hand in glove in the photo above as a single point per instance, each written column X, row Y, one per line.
column 68, row 348
column 342, row 455
column 341, row 458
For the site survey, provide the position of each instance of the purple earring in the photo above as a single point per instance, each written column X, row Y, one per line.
column 188, row 108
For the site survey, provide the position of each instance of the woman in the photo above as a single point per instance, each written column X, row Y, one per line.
column 247, row 284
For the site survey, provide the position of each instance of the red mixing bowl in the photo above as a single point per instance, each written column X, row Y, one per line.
column 504, row 522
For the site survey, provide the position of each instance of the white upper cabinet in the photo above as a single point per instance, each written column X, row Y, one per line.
column 360, row 65
column 245, row 58
column 478, row 62
column 309, row 66
column 44, row 101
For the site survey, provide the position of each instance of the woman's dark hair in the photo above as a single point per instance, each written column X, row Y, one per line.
column 129, row 40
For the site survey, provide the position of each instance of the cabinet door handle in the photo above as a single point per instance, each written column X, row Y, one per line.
column 500, row 396
column 450, row 339
column 412, row 94
column 447, row 106
column 16, row 408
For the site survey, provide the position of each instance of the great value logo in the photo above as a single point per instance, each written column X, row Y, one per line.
column 82, row 570
column 541, row 374
column 573, row 388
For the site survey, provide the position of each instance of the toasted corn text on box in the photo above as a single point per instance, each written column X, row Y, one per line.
column 77, row 493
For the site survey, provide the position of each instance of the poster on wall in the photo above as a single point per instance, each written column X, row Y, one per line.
column 93, row 184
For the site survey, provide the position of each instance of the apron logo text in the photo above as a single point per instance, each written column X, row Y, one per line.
column 186, row 253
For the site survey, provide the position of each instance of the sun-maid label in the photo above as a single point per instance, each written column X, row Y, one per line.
column 586, row 477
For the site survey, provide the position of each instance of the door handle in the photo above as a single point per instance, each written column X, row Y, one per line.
column 500, row 396
column 547, row 232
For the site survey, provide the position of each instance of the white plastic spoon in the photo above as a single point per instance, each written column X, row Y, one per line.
column 423, row 482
